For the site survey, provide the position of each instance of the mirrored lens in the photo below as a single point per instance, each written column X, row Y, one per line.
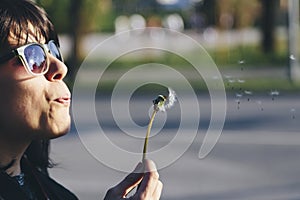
column 36, row 58
column 54, row 50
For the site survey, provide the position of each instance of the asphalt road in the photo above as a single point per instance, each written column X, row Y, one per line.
column 256, row 157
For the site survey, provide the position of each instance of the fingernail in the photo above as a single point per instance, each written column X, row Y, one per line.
column 149, row 166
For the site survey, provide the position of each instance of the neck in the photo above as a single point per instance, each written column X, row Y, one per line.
column 11, row 152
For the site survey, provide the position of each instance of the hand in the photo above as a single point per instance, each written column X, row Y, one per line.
column 146, row 176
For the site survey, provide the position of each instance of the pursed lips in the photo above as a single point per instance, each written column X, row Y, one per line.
column 65, row 100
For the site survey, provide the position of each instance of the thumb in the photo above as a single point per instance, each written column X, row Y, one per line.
column 130, row 181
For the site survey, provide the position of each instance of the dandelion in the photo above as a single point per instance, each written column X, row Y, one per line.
column 161, row 103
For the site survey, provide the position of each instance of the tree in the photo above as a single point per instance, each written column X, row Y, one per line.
column 269, row 8
column 76, row 36
column 85, row 16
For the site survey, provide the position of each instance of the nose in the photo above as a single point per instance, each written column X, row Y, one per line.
column 57, row 69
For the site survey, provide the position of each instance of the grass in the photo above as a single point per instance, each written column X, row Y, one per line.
column 249, row 57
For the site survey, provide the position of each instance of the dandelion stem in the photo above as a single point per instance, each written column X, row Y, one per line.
column 148, row 133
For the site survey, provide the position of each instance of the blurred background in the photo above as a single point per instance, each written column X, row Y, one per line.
column 255, row 45
column 257, row 34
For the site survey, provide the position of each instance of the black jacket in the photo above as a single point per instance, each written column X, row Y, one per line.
column 40, row 183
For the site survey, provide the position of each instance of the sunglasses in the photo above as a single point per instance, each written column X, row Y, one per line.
column 34, row 56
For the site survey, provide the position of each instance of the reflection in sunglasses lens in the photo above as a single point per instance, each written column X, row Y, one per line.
column 35, row 58
column 54, row 50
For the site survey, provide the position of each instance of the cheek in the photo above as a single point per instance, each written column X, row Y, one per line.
column 25, row 107
column 20, row 107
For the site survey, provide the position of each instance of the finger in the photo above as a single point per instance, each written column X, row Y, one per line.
column 130, row 181
column 158, row 190
column 149, row 166
column 149, row 182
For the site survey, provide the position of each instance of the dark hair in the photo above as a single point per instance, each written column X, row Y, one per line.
column 15, row 18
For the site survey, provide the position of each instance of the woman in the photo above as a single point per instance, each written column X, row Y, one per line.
column 34, row 108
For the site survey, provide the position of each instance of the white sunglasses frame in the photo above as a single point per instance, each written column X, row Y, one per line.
column 19, row 52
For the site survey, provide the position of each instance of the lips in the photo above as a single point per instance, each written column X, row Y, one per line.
column 63, row 100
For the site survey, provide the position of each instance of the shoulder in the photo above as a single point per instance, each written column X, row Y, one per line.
column 54, row 189
column 47, row 186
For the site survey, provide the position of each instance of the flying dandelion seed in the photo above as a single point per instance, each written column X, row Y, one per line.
column 241, row 81
column 241, row 62
column 248, row 93
column 273, row 94
column 238, row 101
column 292, row 57
column 293, row 113
column 227, row 77
column 239, row 95
column 231, row 80
column 161, row 103
column 260, row 105
column 215, row 77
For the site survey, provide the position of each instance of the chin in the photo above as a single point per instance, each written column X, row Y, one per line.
column 58, row 128
column 59, row 133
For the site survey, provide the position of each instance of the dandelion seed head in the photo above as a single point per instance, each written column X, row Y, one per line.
column 161, row 103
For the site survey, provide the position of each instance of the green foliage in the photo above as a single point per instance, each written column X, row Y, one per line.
column 96, row 15
column 58, row 10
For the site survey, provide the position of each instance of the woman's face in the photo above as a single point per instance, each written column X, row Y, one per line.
column 33, row 106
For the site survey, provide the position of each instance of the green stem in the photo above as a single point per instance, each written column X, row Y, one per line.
column 148, row 133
